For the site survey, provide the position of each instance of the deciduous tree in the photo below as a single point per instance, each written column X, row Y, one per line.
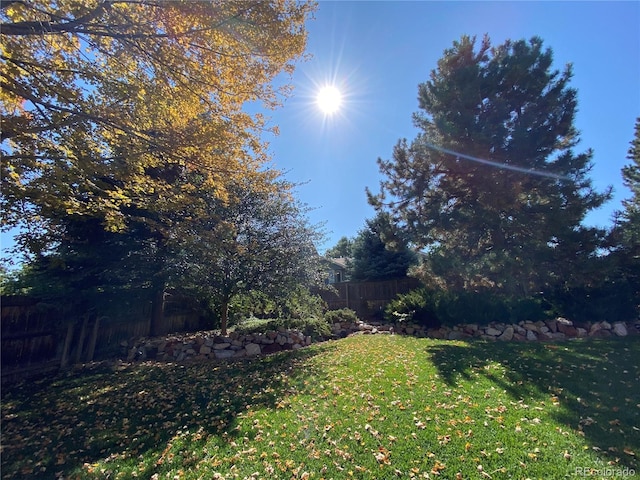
column 254, row 240
column 105, row 103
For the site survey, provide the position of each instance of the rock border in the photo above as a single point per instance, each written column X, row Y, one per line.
column 202, row 346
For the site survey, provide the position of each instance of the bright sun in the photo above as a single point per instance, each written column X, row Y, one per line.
column 329, row 99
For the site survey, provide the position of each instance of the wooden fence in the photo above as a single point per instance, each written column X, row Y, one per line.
column 37, row 338
column 368, row 299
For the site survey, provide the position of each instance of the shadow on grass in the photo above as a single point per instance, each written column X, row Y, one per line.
column 53, row 427
column 596, row 382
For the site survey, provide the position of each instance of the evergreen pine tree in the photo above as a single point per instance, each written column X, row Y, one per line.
column 491, row 187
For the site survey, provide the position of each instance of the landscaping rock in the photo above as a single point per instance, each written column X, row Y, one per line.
column 222, row 354
column 507, row 335
column 456, row 335
column 252, row 349
column 531, row 336
column 620, row 329
column 494, row 332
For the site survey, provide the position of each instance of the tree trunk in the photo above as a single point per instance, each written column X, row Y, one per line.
column 224, row 316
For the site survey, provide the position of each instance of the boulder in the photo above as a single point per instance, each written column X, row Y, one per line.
column 563, row 321
column 531, row 336
column 568, row 330
column 494, row 332
column 507, row 335
column 252, row 349
column 205, row 350
column 456, row 335
column 222, row 354
column 620, row 329
column 221, row 346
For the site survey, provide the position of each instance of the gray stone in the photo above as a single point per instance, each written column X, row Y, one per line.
column 507, row 335
column 594, row 328
column 545, row 335
column 531, row 336
column 494, row 332
column 252, row 349
column 456, row 335
column 620, row 329
column 519, row 330
column 581, row 332
column 205, row 350
column 221, row 354
column 221, row 346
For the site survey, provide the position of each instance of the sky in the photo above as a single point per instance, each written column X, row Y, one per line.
column 377, row 53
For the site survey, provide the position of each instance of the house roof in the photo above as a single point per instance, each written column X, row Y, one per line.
column 340, row 262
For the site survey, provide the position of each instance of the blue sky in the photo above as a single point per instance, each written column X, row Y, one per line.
column 378, row 52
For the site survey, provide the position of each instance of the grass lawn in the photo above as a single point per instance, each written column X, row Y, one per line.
column 377, row 407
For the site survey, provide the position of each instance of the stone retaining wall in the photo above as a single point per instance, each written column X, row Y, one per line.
column 558, row 329
column 209, row 345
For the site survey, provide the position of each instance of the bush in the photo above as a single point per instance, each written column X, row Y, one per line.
column 433, row 308
column 316, row 328
column 300, row 303
column 612, row 300
column 339, row 316
column 415, row 306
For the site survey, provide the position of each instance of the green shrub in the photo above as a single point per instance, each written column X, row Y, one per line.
column 454, row 308
column 339, row 316
column 433, row 308
column 299, row 303
column 415, row 306
column 611, row 300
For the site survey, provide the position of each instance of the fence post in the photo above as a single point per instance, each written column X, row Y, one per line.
column 64, row 361
column 346, row 289
column 92, row 341
column 83, row 334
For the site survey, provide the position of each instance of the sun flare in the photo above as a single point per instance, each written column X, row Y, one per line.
column 329, row 99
